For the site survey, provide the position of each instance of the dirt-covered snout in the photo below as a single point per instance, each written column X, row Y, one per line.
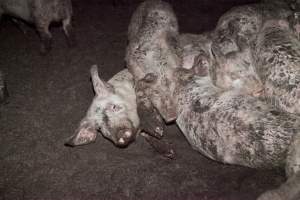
column 112, row 113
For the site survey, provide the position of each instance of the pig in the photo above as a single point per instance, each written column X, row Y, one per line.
column 277, row 63
column 236, row 128
column 113, row 112
column 233, row 38
column 41, row 13
column 3, row 89
column 152, row 46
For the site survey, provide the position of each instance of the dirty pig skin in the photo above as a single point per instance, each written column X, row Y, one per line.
column 41, row 13
column 113, row 112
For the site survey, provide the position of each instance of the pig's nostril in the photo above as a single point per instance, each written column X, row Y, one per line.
column 121, row 141
column 127, row 134
column 159, row 130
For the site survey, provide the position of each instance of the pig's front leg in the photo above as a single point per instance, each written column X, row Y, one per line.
column 161, row 146
column 150, row 120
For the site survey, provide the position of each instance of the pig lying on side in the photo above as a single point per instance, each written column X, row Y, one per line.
column 235, row 128
column 41, row 13
column 3, row 89
column 113, row 112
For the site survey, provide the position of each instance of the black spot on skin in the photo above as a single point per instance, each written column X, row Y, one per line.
column 275, row 112
column 281, row 74
column 197, row 107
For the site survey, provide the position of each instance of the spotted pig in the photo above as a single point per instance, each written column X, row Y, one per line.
column 152, row 47
column 113, row 112
column 277, row 62
column 41, row 13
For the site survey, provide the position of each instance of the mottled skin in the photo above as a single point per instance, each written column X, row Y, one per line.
column 277, row 62
column 236, row 128
column 3, row 89
column 152, row 48
column 113, row 112
column 196, row 52
column 41, row 13
column 235, row 33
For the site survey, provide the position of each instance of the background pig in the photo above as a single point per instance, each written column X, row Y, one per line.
column 152, row 47
column 277, row 63
column 41, row 13
column 3, row 89
column 234, row 35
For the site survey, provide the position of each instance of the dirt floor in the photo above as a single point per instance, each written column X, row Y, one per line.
column 50, row 94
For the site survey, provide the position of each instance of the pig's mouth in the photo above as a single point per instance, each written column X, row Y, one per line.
column 169, row 115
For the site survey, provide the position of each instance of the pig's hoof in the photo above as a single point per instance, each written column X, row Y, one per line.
column 270, row 195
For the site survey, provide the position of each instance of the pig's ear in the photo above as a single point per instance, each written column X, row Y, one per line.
column 85, row 134
column 100, row 86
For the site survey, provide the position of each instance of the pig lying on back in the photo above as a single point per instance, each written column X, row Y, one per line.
column 3, row 89
column 41, row 13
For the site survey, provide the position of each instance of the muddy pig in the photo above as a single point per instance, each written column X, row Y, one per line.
column 237, row 128
column 41, row 13
column 3, row 89
column 152, row 47
column 234, row 35
column 277, row 63
column 113, row 112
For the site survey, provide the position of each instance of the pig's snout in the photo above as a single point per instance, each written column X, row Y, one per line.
column 124, row 137
column 169, row 115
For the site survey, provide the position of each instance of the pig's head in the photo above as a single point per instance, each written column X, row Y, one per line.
column 111, row 113
column 159, row 89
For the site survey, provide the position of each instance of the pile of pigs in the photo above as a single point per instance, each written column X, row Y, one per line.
column 234, row 92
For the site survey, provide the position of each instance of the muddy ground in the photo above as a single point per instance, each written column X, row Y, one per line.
column 50, row 94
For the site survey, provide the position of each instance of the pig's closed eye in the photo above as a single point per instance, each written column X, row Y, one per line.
column 115, row 108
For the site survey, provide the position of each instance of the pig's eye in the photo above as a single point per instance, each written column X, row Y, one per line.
column 115, row 108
